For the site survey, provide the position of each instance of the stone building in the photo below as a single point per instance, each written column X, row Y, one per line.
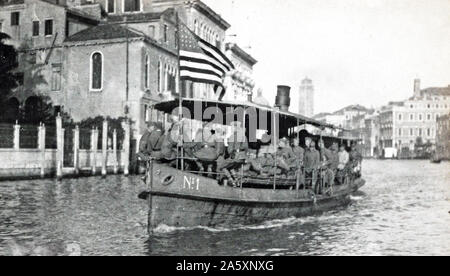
column 38, row 29
column 208, row 25
column 443, row 137
column 117, row 70
column 90, row 63
column 111, row 57
column 239, row 82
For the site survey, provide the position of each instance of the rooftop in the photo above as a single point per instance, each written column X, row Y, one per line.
column 436, row 91
column 11, row 2
column 241, row 53
column 109, row 31
column 137, row 17
column 202, row 7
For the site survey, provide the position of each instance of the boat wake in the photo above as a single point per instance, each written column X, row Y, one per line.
column 277, row 223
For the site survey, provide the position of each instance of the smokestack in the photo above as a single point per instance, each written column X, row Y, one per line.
column 282, row 99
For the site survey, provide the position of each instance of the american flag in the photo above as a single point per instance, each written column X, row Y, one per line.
column 201, row 61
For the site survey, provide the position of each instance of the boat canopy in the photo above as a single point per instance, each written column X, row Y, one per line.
column 286, row 119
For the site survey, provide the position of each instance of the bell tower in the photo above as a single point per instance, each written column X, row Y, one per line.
column 416, row 88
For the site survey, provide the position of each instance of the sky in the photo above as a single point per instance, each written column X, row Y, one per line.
column 364, row 52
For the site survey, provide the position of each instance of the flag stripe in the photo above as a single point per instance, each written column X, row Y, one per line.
column 201, row 64
column 210, row 55
column 201, row 61
column 208, row 81
column 216, row 52
column 203, row 76
column 198, row 70
column 201, row 56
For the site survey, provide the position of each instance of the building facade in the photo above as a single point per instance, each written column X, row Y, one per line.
column 443, row 137
column 91, row 64
column 38, row 30
column 306, row 98
column 406, row 124
column 113, row 57
column 239, row 83
column 205, row 23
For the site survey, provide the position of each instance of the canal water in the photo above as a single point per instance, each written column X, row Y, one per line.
column 403, row 209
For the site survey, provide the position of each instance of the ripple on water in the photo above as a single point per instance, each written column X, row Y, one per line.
column 391, row 215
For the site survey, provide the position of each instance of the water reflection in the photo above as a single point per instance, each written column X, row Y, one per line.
column 403, row 209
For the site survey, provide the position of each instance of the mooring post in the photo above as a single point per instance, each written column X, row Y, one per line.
column 126, row 148
column 115, row 151
column 16, row 136
column 94, row 147
column 104, row 146
column 41, row 135
column 76, row 149
column 149, row 178
column 59, row 147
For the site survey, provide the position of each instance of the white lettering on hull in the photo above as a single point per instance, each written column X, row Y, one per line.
column 191, row 183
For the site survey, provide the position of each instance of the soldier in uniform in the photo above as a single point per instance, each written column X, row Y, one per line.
column 286, row 155
column 237, row 154
column 312, row 162
column 299, row 155
column 299, row 152
column 334, row 159
column 355, row 159
column 342, row 163
column 151, row 142
column 326, row 158
column 267, row 162
column 206, row 151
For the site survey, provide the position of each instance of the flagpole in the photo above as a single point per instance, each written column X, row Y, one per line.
column 180, row 100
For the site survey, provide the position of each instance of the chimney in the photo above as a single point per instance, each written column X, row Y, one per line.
column 417, row 88
column 282, row 99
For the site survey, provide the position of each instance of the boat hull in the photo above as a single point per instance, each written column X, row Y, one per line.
column 191, row 200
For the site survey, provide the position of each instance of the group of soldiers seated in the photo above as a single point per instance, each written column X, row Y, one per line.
column 230, row 159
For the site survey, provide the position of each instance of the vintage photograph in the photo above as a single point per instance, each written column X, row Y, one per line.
column 224, row 128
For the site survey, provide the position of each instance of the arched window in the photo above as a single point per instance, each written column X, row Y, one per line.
column 147, row 71
column 166, row 77
column 204, row 32
column 159, row 75
column 217, row 41
column 96, row 71
column 196, row 27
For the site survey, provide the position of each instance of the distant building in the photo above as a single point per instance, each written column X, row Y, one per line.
column 240, row 81
column 404, row 123
column 345, row 117
column 331, row 118
column 443, row 137
column 306, row 98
